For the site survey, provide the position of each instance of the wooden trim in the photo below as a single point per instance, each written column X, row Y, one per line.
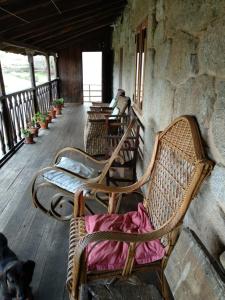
column 33, row 82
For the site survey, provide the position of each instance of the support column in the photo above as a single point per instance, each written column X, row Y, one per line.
column 57, row 75
column 49, row 79
column 33, row 82
column 6, row 117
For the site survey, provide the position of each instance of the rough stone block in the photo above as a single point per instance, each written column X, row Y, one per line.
column 163, row 95
column 192, row 16
column 181, row 65
column 160, row 10
column 159, row 34
column 212, row 50
column 206, row 214
column 196, row 97
column 162, row 59
column 217, row 129
column 190, row 273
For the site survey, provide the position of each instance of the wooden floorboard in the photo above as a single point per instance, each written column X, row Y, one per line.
column 31, row 234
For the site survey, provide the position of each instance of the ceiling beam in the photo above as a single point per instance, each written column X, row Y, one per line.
column 53, row 19
column 80, row 18
column 89, row 29
column 89, row 21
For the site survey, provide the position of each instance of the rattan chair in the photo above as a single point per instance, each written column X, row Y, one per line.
column 173, row 176
column 98, row 123
column 107, row 107
column 53, row 187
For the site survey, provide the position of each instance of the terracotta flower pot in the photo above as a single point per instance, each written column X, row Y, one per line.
column 58, row 109
column 52, row 113
column 49, row 119
column 44, row 125
column 29, row 140
column 34, row 131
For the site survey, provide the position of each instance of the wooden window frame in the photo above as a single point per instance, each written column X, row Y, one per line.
column 140, row 54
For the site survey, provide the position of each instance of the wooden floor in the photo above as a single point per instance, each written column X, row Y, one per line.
column 31, row 234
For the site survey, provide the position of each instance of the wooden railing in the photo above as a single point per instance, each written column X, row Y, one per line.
column 16, row 111
column 92, row 92
column 21, row 109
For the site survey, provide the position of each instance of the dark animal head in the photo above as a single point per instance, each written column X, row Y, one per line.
column 18, row 276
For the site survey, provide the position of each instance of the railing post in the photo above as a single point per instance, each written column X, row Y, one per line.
column 33, row 82
column 57, row 75
column 49, row 78
column 7, row 121
column 89, row 92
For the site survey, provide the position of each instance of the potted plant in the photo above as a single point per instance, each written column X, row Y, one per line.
column 52, row 112
column 26, row 133
column 43, row 122
column 48, row 117
column 33, row 127
column 58, row 106
column 36, row 119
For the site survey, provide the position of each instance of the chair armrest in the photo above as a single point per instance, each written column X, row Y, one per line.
column 77, row 150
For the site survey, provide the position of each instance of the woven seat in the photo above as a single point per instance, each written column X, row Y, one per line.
column 53, row 187
column 172, row 179
column 97, row 126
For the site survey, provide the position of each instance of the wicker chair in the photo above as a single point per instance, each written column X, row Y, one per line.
column 53, row 187
column 97, row 126
column 107, row 107
column 173, row 176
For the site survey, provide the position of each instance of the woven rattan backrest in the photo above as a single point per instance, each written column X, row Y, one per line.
column 117, row 149
column 178, row 154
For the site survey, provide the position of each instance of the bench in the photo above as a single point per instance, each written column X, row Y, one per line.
column 172, row 179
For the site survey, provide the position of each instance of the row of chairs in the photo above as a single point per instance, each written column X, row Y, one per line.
column 54, row 186
column 112, row 245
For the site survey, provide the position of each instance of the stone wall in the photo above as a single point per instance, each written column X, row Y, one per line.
column 184, row 74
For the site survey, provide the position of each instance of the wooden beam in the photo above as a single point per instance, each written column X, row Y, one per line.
column 26, row 47
column 92, row 38
column 33, row 82
column 6, row 118
column 79, row 26
column 52, row 20
column 82, row 17
column 83, row 32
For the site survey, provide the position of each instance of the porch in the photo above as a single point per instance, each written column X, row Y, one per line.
column 30, row 233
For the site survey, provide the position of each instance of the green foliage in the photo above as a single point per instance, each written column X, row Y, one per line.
column 59, row 101
column 26, row 132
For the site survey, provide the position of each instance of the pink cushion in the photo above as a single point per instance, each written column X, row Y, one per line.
column 111, row 255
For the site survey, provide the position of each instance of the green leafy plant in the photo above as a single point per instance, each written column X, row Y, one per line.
column 26, row 132
column 59, row 101
column 42, row 118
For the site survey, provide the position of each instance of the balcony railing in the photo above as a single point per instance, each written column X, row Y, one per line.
column 92, row 92
column 16, row 111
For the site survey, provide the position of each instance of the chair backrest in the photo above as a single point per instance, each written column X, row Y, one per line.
column 119, row 93
column 117, row 149
column 178, row 169
column 122, row 104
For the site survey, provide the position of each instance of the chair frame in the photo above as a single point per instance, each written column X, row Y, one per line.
column 79, row 239
column 63, row 195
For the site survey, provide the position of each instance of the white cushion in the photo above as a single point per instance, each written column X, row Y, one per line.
column 113, row 103
column 114, row 113
column 76, row 167
column 62, row 180
column 66, row 181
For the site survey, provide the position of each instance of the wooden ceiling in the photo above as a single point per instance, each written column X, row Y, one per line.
column 52, row 25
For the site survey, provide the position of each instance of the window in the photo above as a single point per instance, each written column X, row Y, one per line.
column 52, row 67
column 140, row 40
column 16, row 72
column 40, row 69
